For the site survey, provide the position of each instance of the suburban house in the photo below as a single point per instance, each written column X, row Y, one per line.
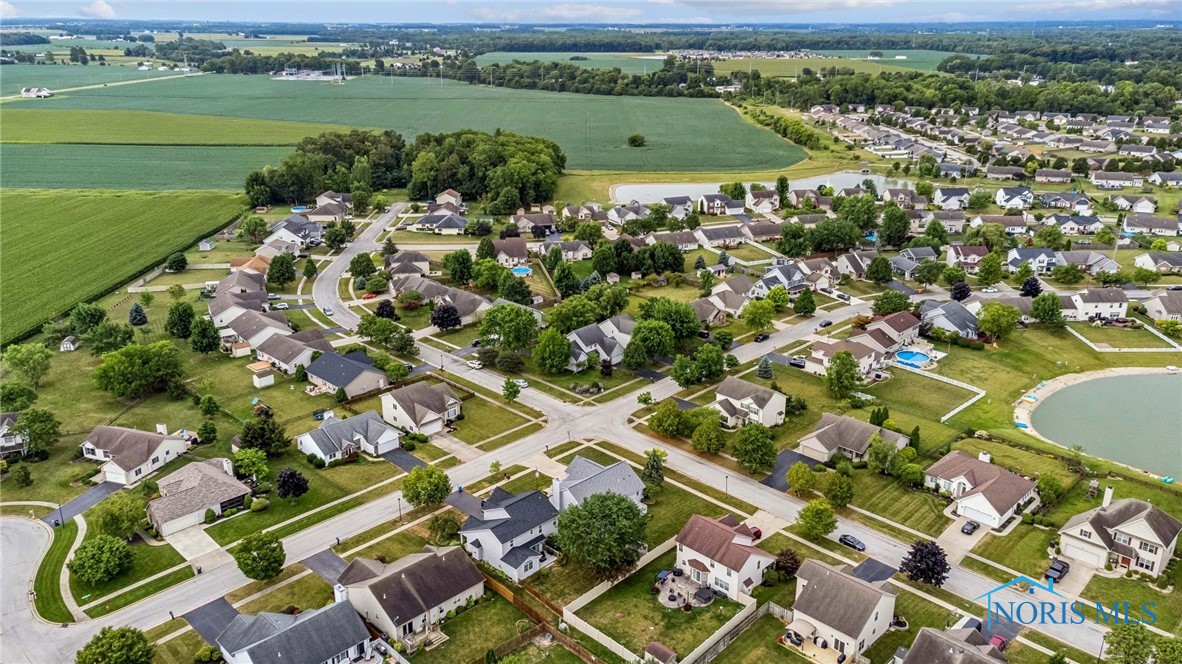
column 889, row 333
column 719, row 204
column 236, row 294
column 919, row 254
column 1091, row 262
column 469, row 305
column 622, row 214
column 1005, row 173
column 408, row 598
column 542, row 221
column 606, row 339
column 836, row 608
column 509, row 532
column 584, row 212
column 408, row 262
column 11, row 440
column 253, row 328
column 1127, row 533
column 984, row 492
column 1151, row 225
column 1012, row 223
column 272, row 248
column 809, row 198
column 709, row 313
column 1013, row 197
column 188, row 493
column 719, row 236
column 1077, row 203
column 440, row 223
column 763, row 200
column 298, row 229
column 329, row 197
column 338, row 439
column 1162, row 179
column 354, row 373
column 855, row 263
column 1041, row 260
column 951, row 198
column 761, row 231
column 838, row 434
column 1135, row 204
column 822, row 353
column 289, row 352
column 1097, row 303
column 951, row 316
column 329, row 635
column 966, row 257
column 680, row 207
column 794, row 276
column 740, row 402
column 330, row 211
column 720, row 554
column 904, row 198
column 255, row 264
column 1052, row 175
column 421, row 408
column 952, row 220
column 1159, row 261
column 571, row 251
column 683, row 240
column 964, row 645
column 1115, row 179
column 904, row 267
column 511, row 251
column 1161, row 305
column 1071, row 224
column 130, row 455
column 585, row 478
column 450, row 196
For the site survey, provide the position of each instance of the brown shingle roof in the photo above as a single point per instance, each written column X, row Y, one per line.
column 715, row 539
column 129, row 448
column 999, row 486
column 836, row 598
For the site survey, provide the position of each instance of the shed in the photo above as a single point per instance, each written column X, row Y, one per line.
column 69, row 344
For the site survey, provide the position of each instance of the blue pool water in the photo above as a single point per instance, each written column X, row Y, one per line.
column 300, row 208
column 522, row 271
column 912, row 358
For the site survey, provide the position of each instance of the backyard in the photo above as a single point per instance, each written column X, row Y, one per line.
column 1119, row 337
column 475, row 631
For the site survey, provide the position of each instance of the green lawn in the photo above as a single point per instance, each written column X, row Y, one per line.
column 1116, row 337
column 83, row 229
column 46, row 584
column 628, row 610
column 919, row 613
column 921, row 396
column 254, row 587
column 306, row 592
column 179, row 650
column 1076, row 500
column 148, row 561
column 1136, row 592
column 476, row 631
column 891, row 499
column 1018, row 460
column 116, row 602
column 392, row 548
column 483, row 420
column 1025, row 549
column 564, row 582
column 758, row 645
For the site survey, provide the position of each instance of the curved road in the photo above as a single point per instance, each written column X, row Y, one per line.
column 324, row 288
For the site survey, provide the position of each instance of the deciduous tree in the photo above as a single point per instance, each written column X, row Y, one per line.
column 138, row 369
column 891, row 301
column 552, row 352
column 180, row 320
column 125, row 645
column 203, row 335
column 1048, row 310
column 508, row 327
column 998, row 321
column 117, row 515
column 758, row 315
column 926, row 563
column 264, row 433
column 252, row 463
column 606, row 532
column 291, row 484
column 805, row 304
column 29, row 361
column 754, row 448
column 260, row 556
column 426, row 485
column 668, row 420
column 840, row 491
column 800, row 478
column 707, row 437
column 989, row 269
column 843, row 375
column 510, row 390
column 100, row 559
column 446, row 317
column 879, row 270
column 817, row 519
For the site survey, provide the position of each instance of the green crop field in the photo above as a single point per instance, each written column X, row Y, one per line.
column 916, row 59
column 131, row 167
column 26, row 124
column 702, row 135
column 791, row 67
column 629, row 63
column 63, row 247
column 54, row 77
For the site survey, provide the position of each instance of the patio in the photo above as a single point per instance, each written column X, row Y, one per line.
column 799, row 638
column 674, row 592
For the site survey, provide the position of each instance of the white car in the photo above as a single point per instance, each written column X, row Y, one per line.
column 280, row 306
column 475, row 364
column 989, row 289
column 328, row 311
column 520, row 382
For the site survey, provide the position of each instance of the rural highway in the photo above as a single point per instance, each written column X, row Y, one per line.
column 112, row 83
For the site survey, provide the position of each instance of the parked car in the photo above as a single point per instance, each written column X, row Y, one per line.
column 999, row 642
column 476, row 343
column 843, row 296
column 824, row 324
column 272, row 296
column 322, row 415
column 521, row 382
column 1057, row 571
column 409, row 366
column 369, row 296
column 703, row 334
column 761, row 337
column 827, row 291
column 475, row 364
column 852, row 542
column 281, row 306
column 797, row 362
column 328, row 311
column 970, row 527
column 756, row 533
column 989, row 289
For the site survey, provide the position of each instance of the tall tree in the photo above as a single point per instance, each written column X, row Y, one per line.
column 800, row 478
column 895, row 226
column 805, row 304
column 552, row 352
column 891, row 301
column 840, row 491
column 508, row 327
column 264, row 433
column 998, row 321
column 180, row 320
column 426, row 485
column 879, row 270
column 29, row 361
column 117, row 515
column 125, row 645
column 446, row 317
column 85, row 316
column 137, row 369
column 1129, row 643
column 362, row 266
column 291, row 484
column 653, row 471
column 707, row 437
column 260, row 556
column 926, row 563
column 758, row 315
column 204, row 335
column 1048, row 310
column 606, row 532
column 989, row 270
column 459, row 266
column 843, row 375
column 486, row 249
column 817, row 519
column 108, row 336
column 754, row 448
column 100, row 559
column 1031, row 287
column 565, row 280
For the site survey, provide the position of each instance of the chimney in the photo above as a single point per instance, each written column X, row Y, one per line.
column 1107, row 496
column 984, row 456
column 340, row 593
column 162, row 428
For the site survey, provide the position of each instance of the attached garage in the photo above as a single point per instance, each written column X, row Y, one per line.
column 1084, row 553
column 978, row 509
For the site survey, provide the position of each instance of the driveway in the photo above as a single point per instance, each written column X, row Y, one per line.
column 873, row 571
column 421, row 369
column 211, row 619
column 683, row 404
column 87, row 500
column 901, row 287
column 649, row 374
column 465, row 502
column 784, row 460
column 403, row 459
column 192, row 543
column 777, row 358
column 956, row 544
column 327, row 564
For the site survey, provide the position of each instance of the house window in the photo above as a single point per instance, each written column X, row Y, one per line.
column 1149, row 548
column 722, row 584
column 1086, row 534
column 529, row 565
column 138, row 471
column 1145, row 564
column 1121, row 538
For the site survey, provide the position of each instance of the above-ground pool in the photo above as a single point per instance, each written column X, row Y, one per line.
column 912, row 358
column 300, row 208
column 522, row 271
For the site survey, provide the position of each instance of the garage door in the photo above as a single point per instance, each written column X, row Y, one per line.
column 1086, row 555
column 182, row 523
column 982, row 518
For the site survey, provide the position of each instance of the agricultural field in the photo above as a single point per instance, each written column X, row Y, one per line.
column 791, row 67
column 56, row 77
column 147, row 167
column 916, row 59
column 683, row 134
column 68, row 238
column 23, row 123
column 629, row 63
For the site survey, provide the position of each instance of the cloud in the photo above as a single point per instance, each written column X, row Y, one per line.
column 785, row 6
column 98, row 9
column 7, row 10
column 566, row 12
column 1106, row 5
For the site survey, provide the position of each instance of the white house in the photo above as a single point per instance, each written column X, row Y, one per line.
column 338, row 439
column 720, row 554
column 12, row 441
column 130, row 455
column 836, row 608
column 1151, row 225
column 1041, row 260
column 289, row 352
column 1159, row 261
column 330, row 635
column 509, row 532
column 252, row 328
column 741, row 402
column 571, row 251
column 983, row 492
column 835, row 434
column 585, row 478
column 1013, row 197
column 1097, row 303
column 763, row 200
column 408, row 598
column 1164, row 305
column 950, row 316
column 1135, row 204
column 421, row 408
column 966, row 257
column 1114, row 179
column 188, row 493
column 607, row 340
column 952, row 198
column 511, row 252
column 1127, row 533
column 718, row 204
column 450, row 196
column 1163, row 179
column 823, row 352
column 440, row 223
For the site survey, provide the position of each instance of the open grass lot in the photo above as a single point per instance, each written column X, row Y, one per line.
column 26, row 124
column 179, row 650
column 476, row 631
column 306, row 592
column 792, row 67
column 1025, row 549
column 149, row 167
column 758, row 645
column 1109, row 591
column 1018, row 460
column 66, row 240
column 626, row 612
column 629, row 63
column 918, row 395
column 483, row 420
column 592, row 130
column 49, row 602
column 55, row 77
column 1115, row 337
column 918, row 612
column 116, row 602
column 923, row 60
column 393, row 547
column 891, row 499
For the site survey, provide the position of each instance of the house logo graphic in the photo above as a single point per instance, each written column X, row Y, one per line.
column 1025, row 607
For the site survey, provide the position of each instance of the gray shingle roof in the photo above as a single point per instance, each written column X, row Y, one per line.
column 338, row 370
column 1123, row 511
column 422, row 401
column 834, row 431
column 309, row 638
column 715, row 539
column 739, row 389
column 129, row 448
column 954, row 646
column 333, row 435
column 526, row 511
column 193, row 488
column 999, row 486
column 414, row 584
column 585, row 478
column 836, row 598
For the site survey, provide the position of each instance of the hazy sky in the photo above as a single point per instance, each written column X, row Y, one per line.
column 606, row 11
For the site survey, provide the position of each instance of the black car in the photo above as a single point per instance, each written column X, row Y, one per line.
column 852, row 542
column 843, row 296
column 409, row 367
column 796, row 362
column 703, row 334
column 824, row 324
column 970, row 527
column 1057, row 570
column 762, row 337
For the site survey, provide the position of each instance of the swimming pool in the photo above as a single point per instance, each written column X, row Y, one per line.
column 300, row 208
column 522, row 271
column 912, row 358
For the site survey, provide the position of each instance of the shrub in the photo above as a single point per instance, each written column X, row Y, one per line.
column 259, row 505
column 1107, row 567
column 969, row 343
column 409, row 445
column 818, row 468
column 451, row 614
column 210, row 516
column 152, row 533
column 230, row 512
column 342, row 461
column 315, row 461
column 247, row 501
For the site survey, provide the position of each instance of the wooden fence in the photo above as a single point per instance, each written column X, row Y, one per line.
column 543, row 624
